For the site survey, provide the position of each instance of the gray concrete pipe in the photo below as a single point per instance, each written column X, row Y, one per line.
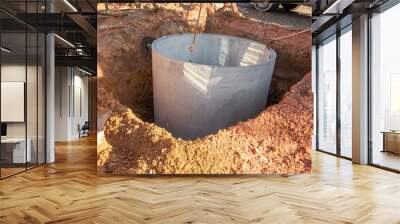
column 224, row 80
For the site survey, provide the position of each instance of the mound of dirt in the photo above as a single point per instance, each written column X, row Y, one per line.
column 276, row 141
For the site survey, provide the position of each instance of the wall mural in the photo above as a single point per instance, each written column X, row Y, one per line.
column 195, row 88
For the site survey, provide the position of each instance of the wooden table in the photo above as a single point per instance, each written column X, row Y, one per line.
column 391, row 141
column 16, row 153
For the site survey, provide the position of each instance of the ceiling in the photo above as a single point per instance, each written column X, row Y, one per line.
column 74, row 22
column 332, row 15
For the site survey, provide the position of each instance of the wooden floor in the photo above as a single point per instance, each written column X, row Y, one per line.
column 69, row 191
column 8, row 171
column 387, row 159
column 5, row 172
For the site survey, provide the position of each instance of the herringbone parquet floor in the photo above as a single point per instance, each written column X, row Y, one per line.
column 69, row 191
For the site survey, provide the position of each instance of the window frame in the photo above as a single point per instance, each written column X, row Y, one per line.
column 338, row 33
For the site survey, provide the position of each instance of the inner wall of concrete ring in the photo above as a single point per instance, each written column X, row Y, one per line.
column 224, row 80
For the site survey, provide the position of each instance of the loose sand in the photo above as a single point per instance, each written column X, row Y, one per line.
column 276, row 141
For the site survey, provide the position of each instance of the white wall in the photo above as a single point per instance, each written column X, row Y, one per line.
column 13, row 73
column 80, row 100
column 71, row 94
column 9, row 73
column 33, row 127
column 62, row 81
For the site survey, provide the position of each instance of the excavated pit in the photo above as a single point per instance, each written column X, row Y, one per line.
column 214, row 84
column 278, row 140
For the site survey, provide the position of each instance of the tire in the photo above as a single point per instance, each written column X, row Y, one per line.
column 289, row 7
column 265, row 7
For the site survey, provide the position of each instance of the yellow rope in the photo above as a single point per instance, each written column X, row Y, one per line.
column 196, row 28
column 291, row 35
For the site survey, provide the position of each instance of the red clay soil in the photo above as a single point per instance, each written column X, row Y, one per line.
column 276, row 141
column 293, row 53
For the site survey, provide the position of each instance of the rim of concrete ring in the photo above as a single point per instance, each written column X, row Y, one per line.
column 269, row 61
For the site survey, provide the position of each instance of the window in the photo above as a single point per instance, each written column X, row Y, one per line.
column 385, row 89
column 346, row 92
column 335, row 74
column 327, row 95
column 22, row 77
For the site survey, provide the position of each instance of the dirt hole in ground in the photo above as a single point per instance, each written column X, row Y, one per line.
column 133, row 144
